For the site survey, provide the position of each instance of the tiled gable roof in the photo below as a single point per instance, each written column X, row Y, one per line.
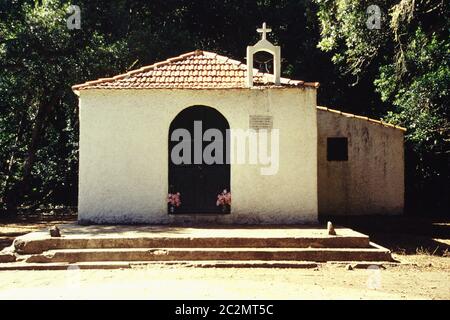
column 194, row 70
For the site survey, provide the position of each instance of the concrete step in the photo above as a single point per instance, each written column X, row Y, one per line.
column 39, row 245
column 144, row 264
column 374, row 253
column 64, row 266
column 194, row 264
column 232, row 246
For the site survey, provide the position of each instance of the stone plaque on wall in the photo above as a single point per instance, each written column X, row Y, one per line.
column 257, row 122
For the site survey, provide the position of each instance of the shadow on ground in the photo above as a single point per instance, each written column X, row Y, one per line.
column 402, row 235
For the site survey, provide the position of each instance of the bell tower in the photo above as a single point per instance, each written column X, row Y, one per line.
column 267, row 46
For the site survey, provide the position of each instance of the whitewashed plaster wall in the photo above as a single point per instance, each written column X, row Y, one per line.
column 123, row 169
column 372, row 180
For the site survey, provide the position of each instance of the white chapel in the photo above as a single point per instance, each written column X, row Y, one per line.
column 202, row 138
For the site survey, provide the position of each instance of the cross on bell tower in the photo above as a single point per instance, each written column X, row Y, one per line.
column 264, row 31
column 267, row 46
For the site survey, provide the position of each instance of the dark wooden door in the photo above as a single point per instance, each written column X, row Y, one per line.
column 199, row 184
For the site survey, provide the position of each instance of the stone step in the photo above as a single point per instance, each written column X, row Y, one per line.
column 194, row 264
column 39, row 245
column 7, row 256
column 144, row 264
column 64, row 266
column 374, row 253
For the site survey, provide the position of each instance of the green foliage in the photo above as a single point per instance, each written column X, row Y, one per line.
column 344, row 32
column 420, row 99
column 40, row 59
column 420, row 102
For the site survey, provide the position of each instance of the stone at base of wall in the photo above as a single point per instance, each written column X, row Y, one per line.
column 7, row 255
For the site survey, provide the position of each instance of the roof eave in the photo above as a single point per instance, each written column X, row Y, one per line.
column 351, row 115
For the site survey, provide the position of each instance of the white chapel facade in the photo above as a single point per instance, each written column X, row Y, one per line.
column 317, row 159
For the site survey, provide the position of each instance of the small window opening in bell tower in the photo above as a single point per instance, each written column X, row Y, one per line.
column 263, row 61
column 265, row 57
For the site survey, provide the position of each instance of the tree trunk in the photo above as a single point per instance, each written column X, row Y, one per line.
column 12, row 159
column 15, row 194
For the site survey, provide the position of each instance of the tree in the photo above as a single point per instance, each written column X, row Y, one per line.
column 40, row 59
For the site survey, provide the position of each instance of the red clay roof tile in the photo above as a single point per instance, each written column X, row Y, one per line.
column 192, row 70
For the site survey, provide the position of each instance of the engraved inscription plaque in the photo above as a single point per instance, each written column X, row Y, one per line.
column 257, row 122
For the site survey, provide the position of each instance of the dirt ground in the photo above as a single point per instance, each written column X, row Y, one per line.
column 10, row 229
column 422, row 245
column 325, row 282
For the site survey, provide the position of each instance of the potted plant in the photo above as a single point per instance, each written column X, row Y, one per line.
column 224, row 201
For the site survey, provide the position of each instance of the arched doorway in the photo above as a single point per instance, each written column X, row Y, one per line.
column 192, row 174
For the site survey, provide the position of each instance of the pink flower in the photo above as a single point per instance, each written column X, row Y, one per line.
column 223, row 198
column 174, row 199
